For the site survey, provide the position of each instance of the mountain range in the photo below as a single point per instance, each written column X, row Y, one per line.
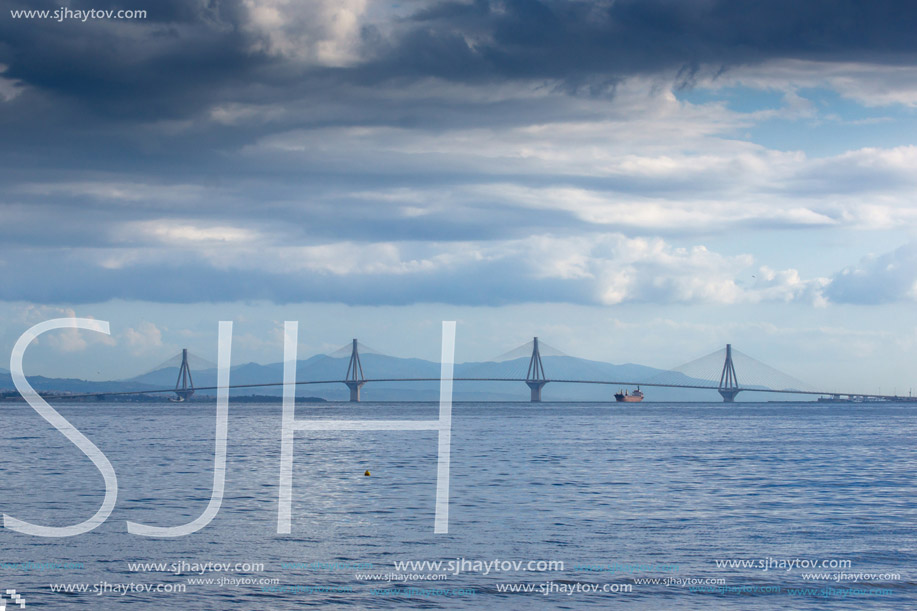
column 381, row 366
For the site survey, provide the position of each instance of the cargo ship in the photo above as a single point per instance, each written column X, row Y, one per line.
column 623, row 397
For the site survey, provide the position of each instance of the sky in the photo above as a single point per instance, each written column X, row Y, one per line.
column 631, row 181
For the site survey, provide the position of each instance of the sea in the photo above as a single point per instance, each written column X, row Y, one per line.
column 551, row 506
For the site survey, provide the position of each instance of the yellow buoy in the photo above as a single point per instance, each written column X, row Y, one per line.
column 366, row 473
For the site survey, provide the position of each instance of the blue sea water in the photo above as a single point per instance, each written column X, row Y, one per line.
column 619, row 494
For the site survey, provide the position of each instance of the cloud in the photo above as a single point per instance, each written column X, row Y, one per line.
column 189, row 56
column 867, row 170
column 788, row 286
column 317, row 150
column 122, row 192
column 9, row 88
column 179, row 232
column 602, row 269
column 145, row 337
column 590, row 45
column 61, row 340
column 876, row 279
column 870, row 83
column 322, row 32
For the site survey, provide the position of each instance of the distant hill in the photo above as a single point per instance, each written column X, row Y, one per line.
column 42, row 384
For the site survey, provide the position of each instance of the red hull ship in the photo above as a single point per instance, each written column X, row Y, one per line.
column 623, row 397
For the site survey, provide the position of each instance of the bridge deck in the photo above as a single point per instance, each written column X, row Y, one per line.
column 520, row 380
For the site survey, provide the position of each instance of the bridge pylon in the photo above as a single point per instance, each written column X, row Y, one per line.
column 729, row 383
column 184, row 385
column 355, row 378
column 535, row 377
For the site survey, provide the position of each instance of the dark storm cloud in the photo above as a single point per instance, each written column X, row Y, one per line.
column 166, row 65
column 188, row 55
column 589, row 41
column 108, row 86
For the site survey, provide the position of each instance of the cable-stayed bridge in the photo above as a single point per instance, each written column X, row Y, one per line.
column 727, row 371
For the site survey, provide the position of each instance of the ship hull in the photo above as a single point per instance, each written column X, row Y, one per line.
column 628, row 398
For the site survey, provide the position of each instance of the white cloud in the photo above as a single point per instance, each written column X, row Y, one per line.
column 9, row 88
column 324, row 32
column 646, row 161
column 61, row 340
column 865, row 83
column 178, row 231
column 885, row 278
column 145, row 337
column 787, row 286
column 608, row 268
